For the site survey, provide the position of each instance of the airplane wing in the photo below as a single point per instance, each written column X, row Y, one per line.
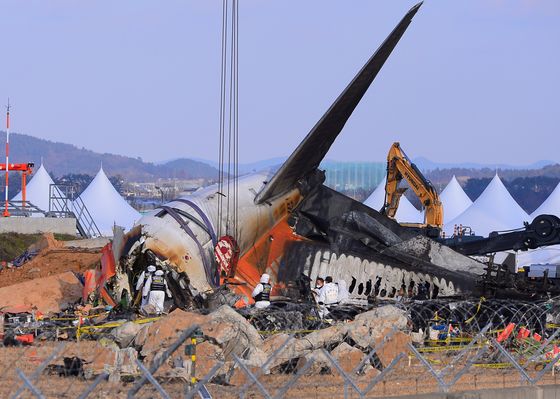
column 311, row 151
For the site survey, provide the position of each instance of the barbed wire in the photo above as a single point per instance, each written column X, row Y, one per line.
column 517, row 346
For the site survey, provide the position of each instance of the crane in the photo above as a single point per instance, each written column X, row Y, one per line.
column 400, row 167
column 26, row 169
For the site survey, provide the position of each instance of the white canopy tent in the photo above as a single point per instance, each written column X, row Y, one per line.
column 106, row 205
column 494, row 210
column 406, row 212
column 551, row 206
column 455, row 201
column 546, row 255
column 37, row 191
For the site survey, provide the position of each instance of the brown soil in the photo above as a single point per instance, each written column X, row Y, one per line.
column 47, row 294
column 411, row 380
column 51, row 261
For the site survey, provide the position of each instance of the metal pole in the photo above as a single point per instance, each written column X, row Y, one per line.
column 6, row 213
column 159, row 361
column 23, row 188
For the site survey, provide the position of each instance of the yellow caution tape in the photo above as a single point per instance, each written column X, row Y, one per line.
column 482, row 299
column 493, row 365
column 76, row 318
column 114, row 324
column 286, row 332
column 450, row 348
column 444, row 341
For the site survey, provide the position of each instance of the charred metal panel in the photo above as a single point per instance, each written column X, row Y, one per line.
column 187, row 238
column 376, row 276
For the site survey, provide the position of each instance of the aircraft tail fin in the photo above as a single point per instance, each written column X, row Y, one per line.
column 311, row 151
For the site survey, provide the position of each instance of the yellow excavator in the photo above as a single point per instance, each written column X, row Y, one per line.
column 400, row 167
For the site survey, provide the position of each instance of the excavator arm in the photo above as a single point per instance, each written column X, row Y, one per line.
column 400, row 167
column 544, row 230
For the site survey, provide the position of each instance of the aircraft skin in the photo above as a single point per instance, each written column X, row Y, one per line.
column 165, row 237
column 184, row 231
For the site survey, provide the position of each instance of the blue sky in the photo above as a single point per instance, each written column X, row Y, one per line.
column 471, row 80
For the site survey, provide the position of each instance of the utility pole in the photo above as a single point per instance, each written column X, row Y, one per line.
column 6, row 213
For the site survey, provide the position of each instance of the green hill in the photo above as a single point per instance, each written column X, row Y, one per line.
column 61, row 159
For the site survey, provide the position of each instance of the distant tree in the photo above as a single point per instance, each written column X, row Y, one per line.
column 529, row 192
column 79, row 180
column 118, row 182
column 476, row 186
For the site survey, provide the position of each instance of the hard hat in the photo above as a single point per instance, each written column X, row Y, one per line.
column 159, row 273
column 151, row 268
column 265, row 278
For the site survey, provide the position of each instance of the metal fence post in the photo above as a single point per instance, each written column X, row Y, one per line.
column 29, row 385
column 158, row 362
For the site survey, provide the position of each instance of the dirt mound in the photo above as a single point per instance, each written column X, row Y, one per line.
column 50, row 264
column 47, row 241
column 49, row 294
column 52, row 258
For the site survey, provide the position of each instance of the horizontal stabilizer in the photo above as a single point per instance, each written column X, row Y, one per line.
column 311, row 151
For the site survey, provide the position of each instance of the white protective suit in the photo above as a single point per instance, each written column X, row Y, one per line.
column 141, row 283
column 343, row 293
column 261, row 291
column 157, row 289
column 329, row 294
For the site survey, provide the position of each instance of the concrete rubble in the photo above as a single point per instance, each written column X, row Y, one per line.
column 226, row 333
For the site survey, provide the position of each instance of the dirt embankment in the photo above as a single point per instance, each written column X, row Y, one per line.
column 49, row 294
column 53, row 258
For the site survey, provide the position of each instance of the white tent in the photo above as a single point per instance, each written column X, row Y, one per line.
column 106, row 205
column 494, row 210
column 37, row 191
column 551, row 206
column 454, row 200
column 406, row 212
column 545, row 255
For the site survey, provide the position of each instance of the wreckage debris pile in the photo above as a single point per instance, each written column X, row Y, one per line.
column 112, row 341
column 226, row 333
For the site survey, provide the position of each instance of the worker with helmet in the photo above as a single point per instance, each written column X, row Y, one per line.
column 157, row 290
column 144, row 276
column 261, row 293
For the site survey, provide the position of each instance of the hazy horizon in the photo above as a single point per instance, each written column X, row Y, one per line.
column 281, row 158
column 471, row 81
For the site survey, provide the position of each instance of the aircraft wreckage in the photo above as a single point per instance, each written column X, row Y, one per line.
column 294, row 228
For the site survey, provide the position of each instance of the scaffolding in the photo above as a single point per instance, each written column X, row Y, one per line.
column 64, row 203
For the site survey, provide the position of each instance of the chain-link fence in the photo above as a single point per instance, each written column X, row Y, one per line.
column 399, row 364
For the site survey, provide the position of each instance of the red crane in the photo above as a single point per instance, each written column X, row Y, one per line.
column 26, row 169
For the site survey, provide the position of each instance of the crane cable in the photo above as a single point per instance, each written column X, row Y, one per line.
column 228, row 156
column 222, row 118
